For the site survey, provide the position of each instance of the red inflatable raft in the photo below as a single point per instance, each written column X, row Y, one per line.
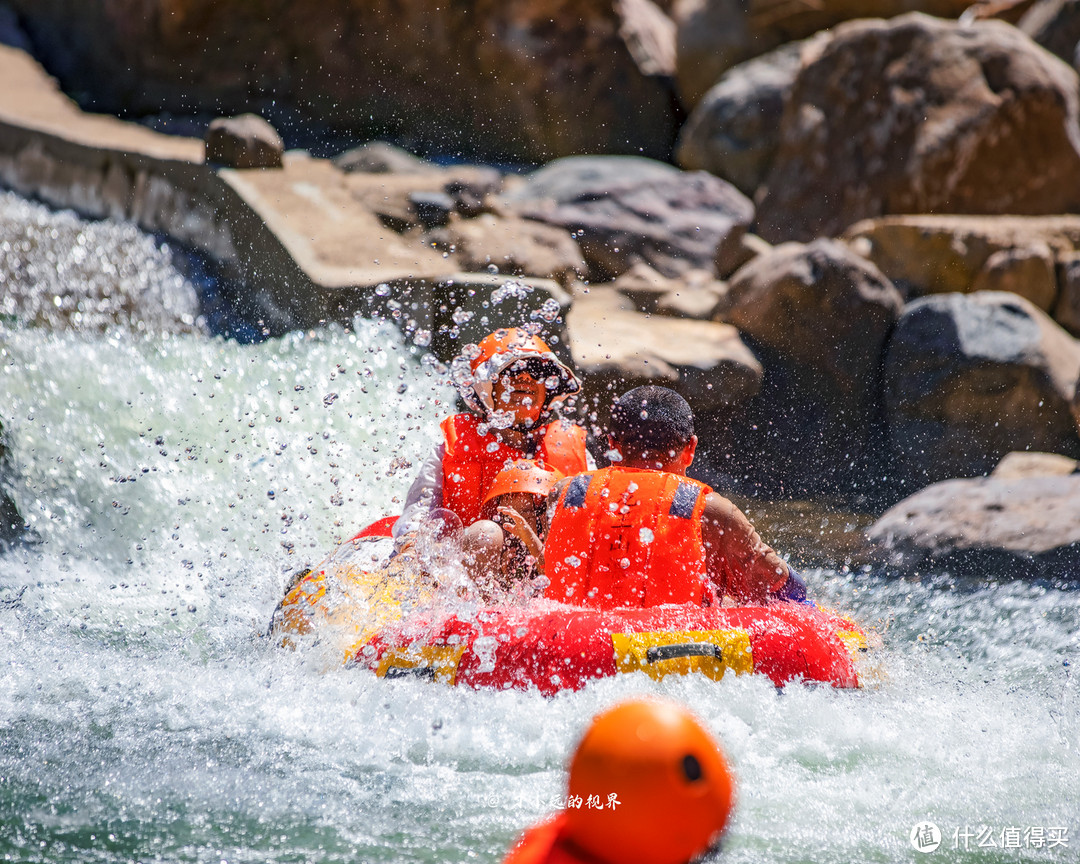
column 553, row 647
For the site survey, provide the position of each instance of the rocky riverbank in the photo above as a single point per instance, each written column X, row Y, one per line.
column 863, row 277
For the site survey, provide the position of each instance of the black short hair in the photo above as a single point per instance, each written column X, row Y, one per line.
column 651, row 419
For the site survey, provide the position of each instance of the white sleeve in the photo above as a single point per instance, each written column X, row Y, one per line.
column 425, row 494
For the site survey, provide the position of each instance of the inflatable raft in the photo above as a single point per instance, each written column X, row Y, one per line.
column 380, row 620
column 553, row 647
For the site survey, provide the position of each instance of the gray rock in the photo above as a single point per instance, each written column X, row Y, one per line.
column 971, row 377
column 996, row 526
column 245, row 141
column 735, row 129
column 625, row 209
column 378, row 157
column 818, row 317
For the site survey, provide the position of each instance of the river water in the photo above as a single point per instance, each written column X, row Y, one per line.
column 172, row 481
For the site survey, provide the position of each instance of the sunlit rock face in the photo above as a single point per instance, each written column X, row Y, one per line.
column 527, row 80
column 919, row 115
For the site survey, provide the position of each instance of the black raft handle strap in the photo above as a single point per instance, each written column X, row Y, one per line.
column 687, row 649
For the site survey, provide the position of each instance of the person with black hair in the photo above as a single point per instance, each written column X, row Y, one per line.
column 641, row 533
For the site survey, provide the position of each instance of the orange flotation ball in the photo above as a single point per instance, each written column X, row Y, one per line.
column 670, row 780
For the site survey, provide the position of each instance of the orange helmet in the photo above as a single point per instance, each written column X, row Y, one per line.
column 477, row 368
column 672, row 786
column 525, row 476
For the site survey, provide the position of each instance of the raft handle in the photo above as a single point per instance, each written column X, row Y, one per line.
column 425, row 672
column 687, row 649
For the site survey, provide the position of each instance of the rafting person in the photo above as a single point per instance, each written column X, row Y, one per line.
column 647, row 784
column 507, row 543
column 511, row 382
column 641, row 533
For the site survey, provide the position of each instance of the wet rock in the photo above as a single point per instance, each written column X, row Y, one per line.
column 528, row 81
column 432, row 209
column 818, row 316
column 378, row 157
column 618, row 348
column 625, row 209
column 519, row 247
column 1020, row 464
column 946, row 254
column 712, row 36
column 969, row 378
column 246, row 141
column 734, row 130
column 1055, row 24
column 1067, row 309
column 919, row 115
column 988, row 527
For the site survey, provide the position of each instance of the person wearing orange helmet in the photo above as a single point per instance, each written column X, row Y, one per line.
column 642, row 533
column 511, row 382
column 647, row 784
column 507, row 542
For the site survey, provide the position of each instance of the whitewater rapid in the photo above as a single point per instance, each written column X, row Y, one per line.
column 171, row 483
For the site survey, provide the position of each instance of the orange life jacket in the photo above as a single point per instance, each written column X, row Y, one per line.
column 545, row 843
column 627, row 537
column 472, row 460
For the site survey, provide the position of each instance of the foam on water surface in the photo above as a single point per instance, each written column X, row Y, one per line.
column 174, row 482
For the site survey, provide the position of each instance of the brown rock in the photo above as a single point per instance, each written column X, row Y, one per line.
column 1010, row 528
column 617, row 348
column 515, row 246
column 712, row 36
column 625, row 209
column 945, row 254
column 818, row 317
column 1027, row 271
column 246, row 141
column 820, row 307
column 971, row 377
column 1054, row 24
column 530, row 79
column 920, row 115
column 1019, row 464
column 1067, row 309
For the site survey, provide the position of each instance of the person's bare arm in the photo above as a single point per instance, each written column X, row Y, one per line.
column 737, row 560
column 517, row 525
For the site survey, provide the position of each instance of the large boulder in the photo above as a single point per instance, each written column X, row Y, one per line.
column 714, row 35
column 996, row 526
column 617, row 348
column 919, row 115
column 626, row 209
column 1054, row 24
column 1033, row 256
column 971, row 377
column 735, row 129
column 818, row 316
column 526, row 79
